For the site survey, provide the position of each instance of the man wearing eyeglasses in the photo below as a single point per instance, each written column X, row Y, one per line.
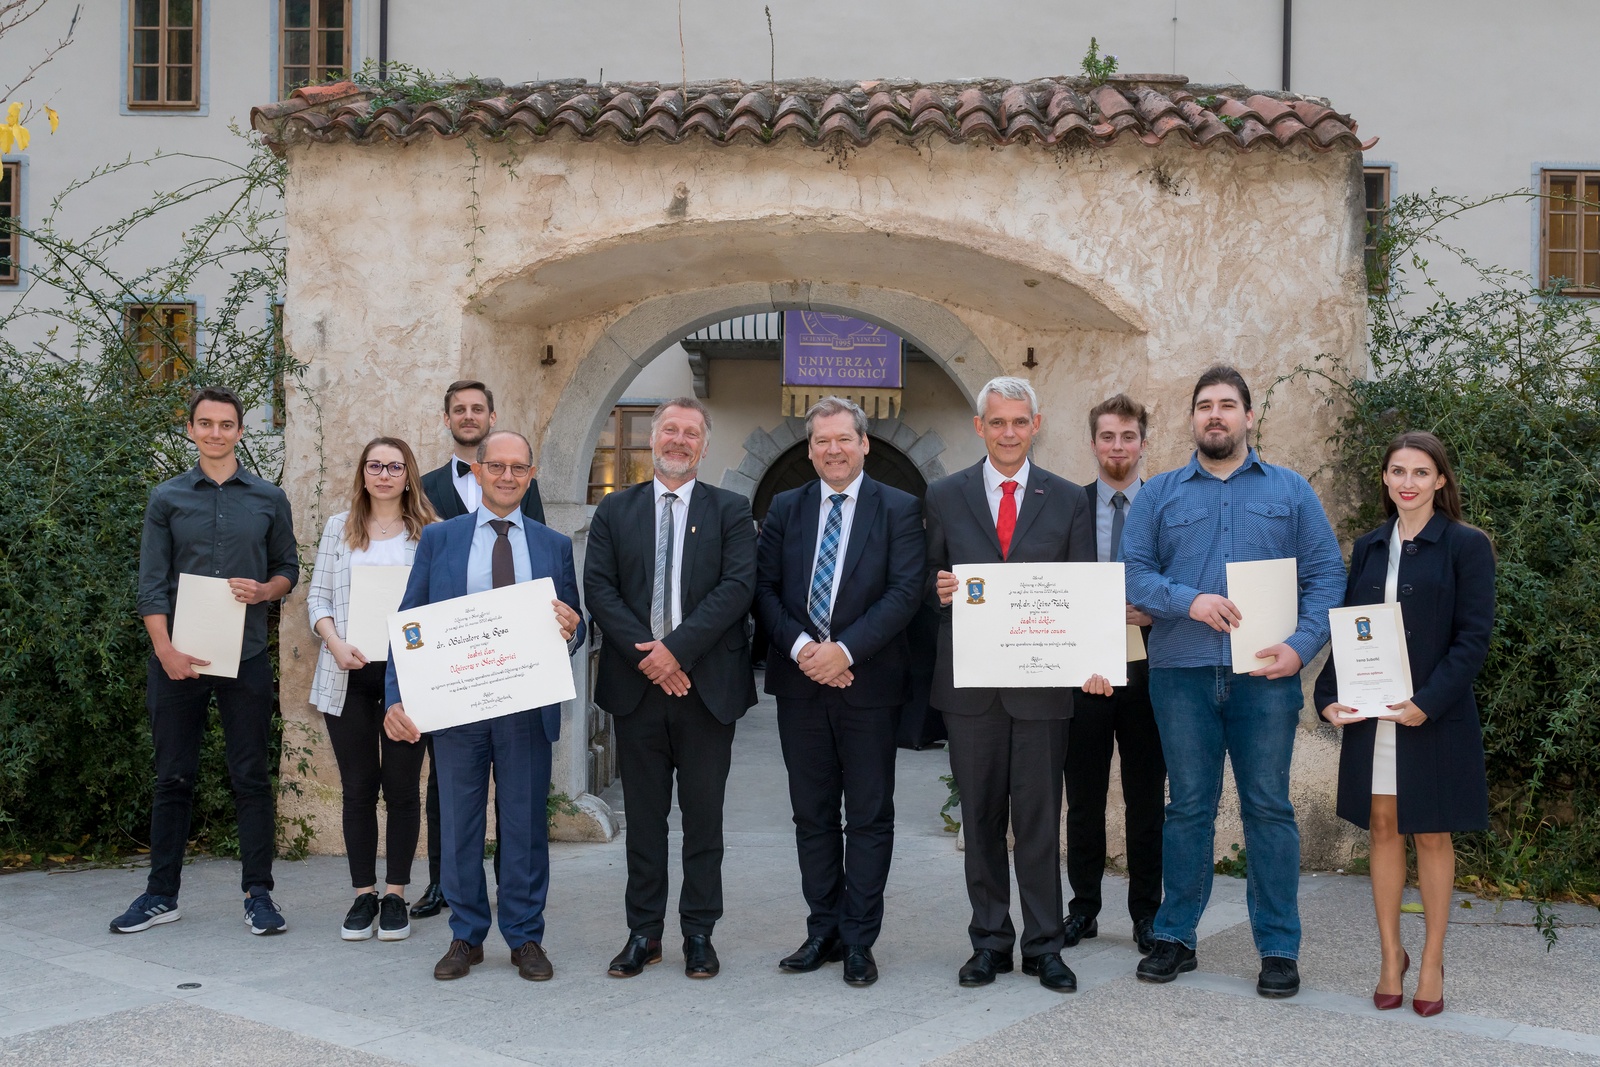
column 453, row 490
column 496, row 545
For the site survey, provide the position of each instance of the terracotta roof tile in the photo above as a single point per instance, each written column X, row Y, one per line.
column 1048, row 111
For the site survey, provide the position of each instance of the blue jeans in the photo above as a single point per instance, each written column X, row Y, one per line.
column 1204, row 712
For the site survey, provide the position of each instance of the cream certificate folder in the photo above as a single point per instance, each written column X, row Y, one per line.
column 1022, row 625
column 481, row 656
column 375, row 594
column 1135, row 644
column 1370, row 658
column 208, row 622
column 1267, row 594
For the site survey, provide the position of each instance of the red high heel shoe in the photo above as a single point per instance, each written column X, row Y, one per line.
column 1430, row 1008
column 1391, row 1001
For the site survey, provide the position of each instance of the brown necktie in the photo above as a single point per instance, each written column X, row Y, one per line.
column 501, row 570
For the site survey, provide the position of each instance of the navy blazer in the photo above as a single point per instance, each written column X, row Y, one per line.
column 439, row 486
column 717, row 582
column 1446, row 595
column 880, row 588
column 1054, row 525
column 439, row 572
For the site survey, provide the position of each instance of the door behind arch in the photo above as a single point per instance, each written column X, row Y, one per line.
column 885, row 463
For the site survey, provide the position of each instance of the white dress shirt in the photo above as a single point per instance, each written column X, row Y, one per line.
column 467, row 487
column 680, row 519
column 847, row 515
column 992, row 481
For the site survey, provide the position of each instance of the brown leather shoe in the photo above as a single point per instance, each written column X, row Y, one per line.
column 457, row 960
column 532, row 963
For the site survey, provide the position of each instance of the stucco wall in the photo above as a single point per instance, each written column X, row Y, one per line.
column 1122, row 268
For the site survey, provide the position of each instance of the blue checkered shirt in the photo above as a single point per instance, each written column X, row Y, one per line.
column 1187, row 525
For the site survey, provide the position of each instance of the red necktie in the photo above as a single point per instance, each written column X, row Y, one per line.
column 1008, row 517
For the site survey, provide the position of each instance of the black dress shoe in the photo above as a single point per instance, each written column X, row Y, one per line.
column 1052, row 973
column 430, row 903
column 1144, row 935
column 860, row 969
column 813, row 954
column 639, row 951
column 699, row 958
column 1079, row 928
column 1165, row 962
column 981, row 968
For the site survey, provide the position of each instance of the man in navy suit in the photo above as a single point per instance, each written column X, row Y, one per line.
column 494, row 546
column 839, row 573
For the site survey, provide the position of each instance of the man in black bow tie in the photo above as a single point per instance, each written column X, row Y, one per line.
column 452, row 490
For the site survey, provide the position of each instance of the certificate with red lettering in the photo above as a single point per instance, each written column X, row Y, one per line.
column 1025, row 625
column 481, row 656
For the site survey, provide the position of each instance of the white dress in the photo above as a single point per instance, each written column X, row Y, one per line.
column 1383, row 773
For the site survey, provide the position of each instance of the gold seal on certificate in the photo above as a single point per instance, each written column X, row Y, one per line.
column 481, row 656
column 1370, row 657
column 1038, row 625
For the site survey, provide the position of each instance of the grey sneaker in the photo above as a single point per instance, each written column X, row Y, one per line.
column 361, row 921
column 261, row 914
column 393, row 922
column 148, row 910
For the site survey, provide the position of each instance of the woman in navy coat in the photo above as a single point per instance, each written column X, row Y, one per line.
column 1418, row 771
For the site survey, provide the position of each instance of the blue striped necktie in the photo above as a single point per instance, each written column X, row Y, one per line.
column 819, row 606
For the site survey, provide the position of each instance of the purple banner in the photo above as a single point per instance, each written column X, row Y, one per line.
column 838, row 352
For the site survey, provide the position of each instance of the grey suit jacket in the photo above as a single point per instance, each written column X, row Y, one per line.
column 1054, row 525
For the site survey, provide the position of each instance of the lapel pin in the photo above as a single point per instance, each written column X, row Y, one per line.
column 692, row 529
column 1038, row 492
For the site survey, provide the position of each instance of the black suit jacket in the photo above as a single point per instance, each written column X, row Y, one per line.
column 880, row 589
column 1053, row 526
column 440, row 489
column 718, row 582
column 1446, row 594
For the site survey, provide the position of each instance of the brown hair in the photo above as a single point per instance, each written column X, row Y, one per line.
column 1121, row 406
column 217, row 394
column 462, row 386
column 414, row 506
column 1448, row 498
column 1220, row 374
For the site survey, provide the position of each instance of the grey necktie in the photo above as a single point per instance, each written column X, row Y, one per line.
column 1119, row 505
column 660, row 606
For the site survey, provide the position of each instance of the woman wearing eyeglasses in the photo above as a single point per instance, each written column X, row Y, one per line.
column 387, row 513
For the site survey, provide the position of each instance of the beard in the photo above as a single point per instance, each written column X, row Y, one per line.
column 1225, row 447
column 1117, row 470
column 675, row 467
column 467, row 442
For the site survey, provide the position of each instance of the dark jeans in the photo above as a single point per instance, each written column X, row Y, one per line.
column 178, row 711
column 835, row 752
column 368, row 760
column 1123, row 721
column 663, row 735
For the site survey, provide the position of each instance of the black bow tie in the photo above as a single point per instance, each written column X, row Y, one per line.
column 463, row 468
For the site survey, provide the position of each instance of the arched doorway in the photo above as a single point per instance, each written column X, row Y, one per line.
column 885, row 463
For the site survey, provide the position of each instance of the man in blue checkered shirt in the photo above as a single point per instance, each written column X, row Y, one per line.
column 1227, row 505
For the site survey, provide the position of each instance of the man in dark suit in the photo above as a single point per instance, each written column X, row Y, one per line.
column 1117, row 430
column 839, row 575
column 1007, row 746
column 669, row 577
column 453, row 490
column 495, row 546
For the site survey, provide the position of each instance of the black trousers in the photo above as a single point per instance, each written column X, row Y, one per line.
column 1124, row 718
column 435, row 843
column 369, row 762
column 178, row 711
column 1008, row 771
column 835, row 752
column 662, row 737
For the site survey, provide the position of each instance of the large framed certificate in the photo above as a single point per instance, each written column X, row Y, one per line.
column 1370, row 657
column 1028, row 625
column 481, row 656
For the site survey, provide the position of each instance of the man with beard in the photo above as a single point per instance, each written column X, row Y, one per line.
column 670, row 574
column 1124, row 720
column 453, row 490
column 1227, row 505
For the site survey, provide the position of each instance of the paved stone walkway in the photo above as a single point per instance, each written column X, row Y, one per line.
column 204, row 991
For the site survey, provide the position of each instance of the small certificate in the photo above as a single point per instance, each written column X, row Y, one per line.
column 1039, row 625
column 208, row 622
column 375, row 594
column 1135, row 644
column 1370, row 658
column 481, row 656
column 1267, row 594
